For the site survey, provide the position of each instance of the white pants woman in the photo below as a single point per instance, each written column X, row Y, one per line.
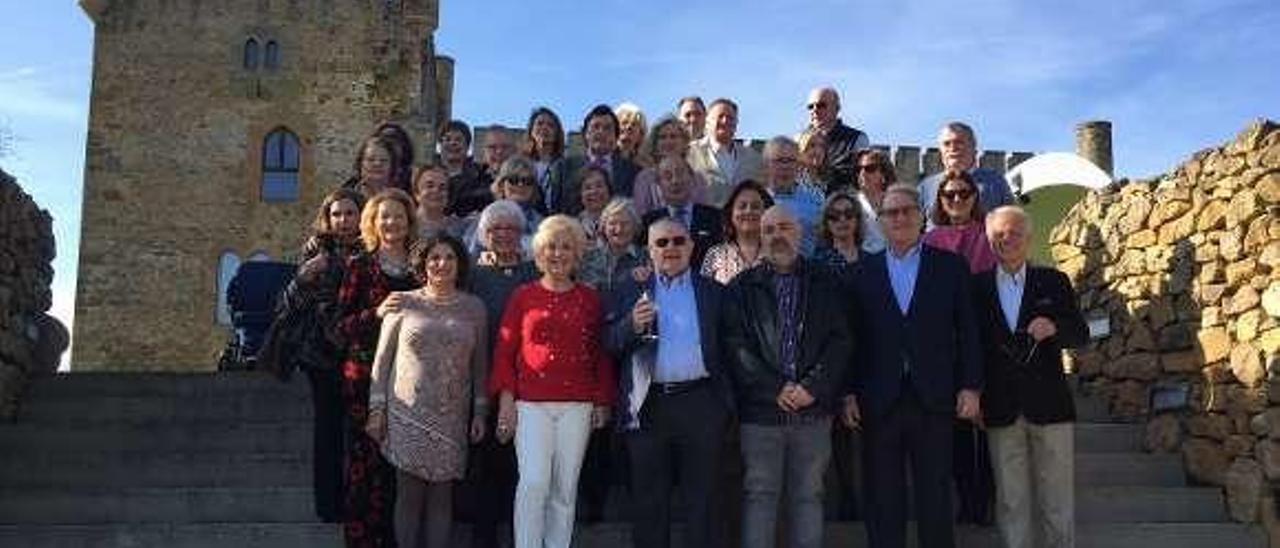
column 551, row 439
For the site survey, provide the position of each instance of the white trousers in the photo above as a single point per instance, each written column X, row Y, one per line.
column 551, row 439
column 1035, row 461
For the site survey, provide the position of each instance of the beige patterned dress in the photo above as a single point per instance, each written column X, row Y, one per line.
column 429, row 375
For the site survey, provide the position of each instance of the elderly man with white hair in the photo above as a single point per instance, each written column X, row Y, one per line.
column 781, row 160
column 1027, row 314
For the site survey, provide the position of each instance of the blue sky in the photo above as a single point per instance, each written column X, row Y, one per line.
column 1173, row 76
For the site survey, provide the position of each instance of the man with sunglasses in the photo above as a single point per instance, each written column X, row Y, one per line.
column 676, row 400
column 959, row 147
column 787, row 345
column 920, row 367
column 1027, row 314
column 843, row 142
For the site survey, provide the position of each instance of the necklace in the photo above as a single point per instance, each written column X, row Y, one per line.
column 395, row 268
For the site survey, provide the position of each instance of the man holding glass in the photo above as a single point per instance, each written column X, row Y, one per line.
column 676, row 401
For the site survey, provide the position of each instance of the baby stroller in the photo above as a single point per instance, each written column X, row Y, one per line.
column 251, row 298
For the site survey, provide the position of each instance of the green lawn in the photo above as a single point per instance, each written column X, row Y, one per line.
column 1047, row 208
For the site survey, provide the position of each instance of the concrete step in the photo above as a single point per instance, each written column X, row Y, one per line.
column 606, row 535
column 182, row 535
column 1129, row 469
column 1151, row 505
column 257, row 406
column 88, row 385
column 156, row 505
column 91, row 469
column 1101, row 437
column 195, row 435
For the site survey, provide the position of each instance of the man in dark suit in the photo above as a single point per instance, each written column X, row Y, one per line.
column 1027, row 314
column 787, row 343
column 675, row 181
column 675, row 399
column 600, row 131
column 920, row 368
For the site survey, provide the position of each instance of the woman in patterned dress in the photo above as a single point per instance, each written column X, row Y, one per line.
column 427, row 401
column 387, row 228
column 741, row 247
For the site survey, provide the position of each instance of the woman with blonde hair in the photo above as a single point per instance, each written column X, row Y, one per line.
column 554, row 382
column 631, row 130
column 387, row 229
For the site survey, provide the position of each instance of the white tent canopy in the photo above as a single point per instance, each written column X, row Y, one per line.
column 1056, row 168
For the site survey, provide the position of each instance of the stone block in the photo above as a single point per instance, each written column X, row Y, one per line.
column 1244, row 300
column 1163, row 434
column 1212, row 216
column 1215, row 344
column 1268, row 452
column 1206, row 461
column 1214, row 425
column 1245, row 484
column 1271, row 300
column 1247, row 324
column 1138, row 366
column 1241, row 271
column 1268, row 186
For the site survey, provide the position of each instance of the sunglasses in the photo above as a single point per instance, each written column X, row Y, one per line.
column 841, row 215
column 816, row 106
column 869, row 168
column 677, row 241
column 902, row 211
column 956, row 195
column 521, row 181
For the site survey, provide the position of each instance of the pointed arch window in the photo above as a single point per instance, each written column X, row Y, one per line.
column 228, row 263
column 250, row 61
column 271, row 58
column 280, row 159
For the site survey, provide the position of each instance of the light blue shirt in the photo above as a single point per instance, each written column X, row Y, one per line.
column 1009, row 288
column 806, row 204
column 902, row 274
column 679, row 339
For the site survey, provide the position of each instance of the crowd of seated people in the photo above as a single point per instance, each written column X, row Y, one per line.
column 782, row 335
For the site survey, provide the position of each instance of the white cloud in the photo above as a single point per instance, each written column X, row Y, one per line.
column 30, row 92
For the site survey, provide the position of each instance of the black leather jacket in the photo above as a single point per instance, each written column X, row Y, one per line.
column 753, row 335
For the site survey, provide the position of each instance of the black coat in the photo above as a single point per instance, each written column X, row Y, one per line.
column 566, row 193
column 1037, row 388
column 753, row 337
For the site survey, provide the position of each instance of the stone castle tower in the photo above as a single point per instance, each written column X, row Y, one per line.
column 215, row 129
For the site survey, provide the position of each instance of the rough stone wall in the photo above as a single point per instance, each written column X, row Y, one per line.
column 175, row 143
column 31, row 341
column 1187, row 269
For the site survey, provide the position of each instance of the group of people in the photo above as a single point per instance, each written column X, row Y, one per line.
column 532, row 328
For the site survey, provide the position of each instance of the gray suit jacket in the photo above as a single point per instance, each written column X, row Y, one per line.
column 719, row 181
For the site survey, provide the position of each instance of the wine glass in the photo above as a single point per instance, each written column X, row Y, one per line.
column 650, row 331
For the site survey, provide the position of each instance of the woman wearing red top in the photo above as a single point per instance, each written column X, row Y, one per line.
column 554, row 382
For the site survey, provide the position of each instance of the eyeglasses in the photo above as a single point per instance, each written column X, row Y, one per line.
column 901, row 211
column 521, row 180
column 677, row 241
column 956, row 195
column 869, row 168
column 784, row 160
column 816, row 106
column 841, row 215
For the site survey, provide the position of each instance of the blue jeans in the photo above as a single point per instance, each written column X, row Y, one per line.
column 792, row 454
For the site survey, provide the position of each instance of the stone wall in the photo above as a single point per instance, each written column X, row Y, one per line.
column 174, row 154
column 31, row 341
column 1186, row 268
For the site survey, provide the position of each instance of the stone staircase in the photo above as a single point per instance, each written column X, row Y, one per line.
column 224, row 461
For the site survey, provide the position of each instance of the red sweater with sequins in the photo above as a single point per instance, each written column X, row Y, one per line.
column 549, row 347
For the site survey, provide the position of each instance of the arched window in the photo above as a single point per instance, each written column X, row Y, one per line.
column 280, row 156
column 228, row 263
column 272, row 58
column 251, row 54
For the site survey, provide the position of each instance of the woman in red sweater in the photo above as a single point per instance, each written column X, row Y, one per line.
column 554, row 384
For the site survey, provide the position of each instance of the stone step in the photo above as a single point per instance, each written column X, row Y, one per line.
column 93, row 470
column 156, row 505
column 195, row 435
column 1150, row 504
column 178, row 535
column 1129, row 469
column 89, row 385
column 1100, row 437
column 605, row 535
column 257, row 406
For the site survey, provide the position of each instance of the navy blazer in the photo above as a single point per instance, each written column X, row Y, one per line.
column 1020, row 382
column 628, row 349
column 566, row 193
column 938, row 336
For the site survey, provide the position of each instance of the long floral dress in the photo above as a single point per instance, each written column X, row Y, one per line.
column 370, row 479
